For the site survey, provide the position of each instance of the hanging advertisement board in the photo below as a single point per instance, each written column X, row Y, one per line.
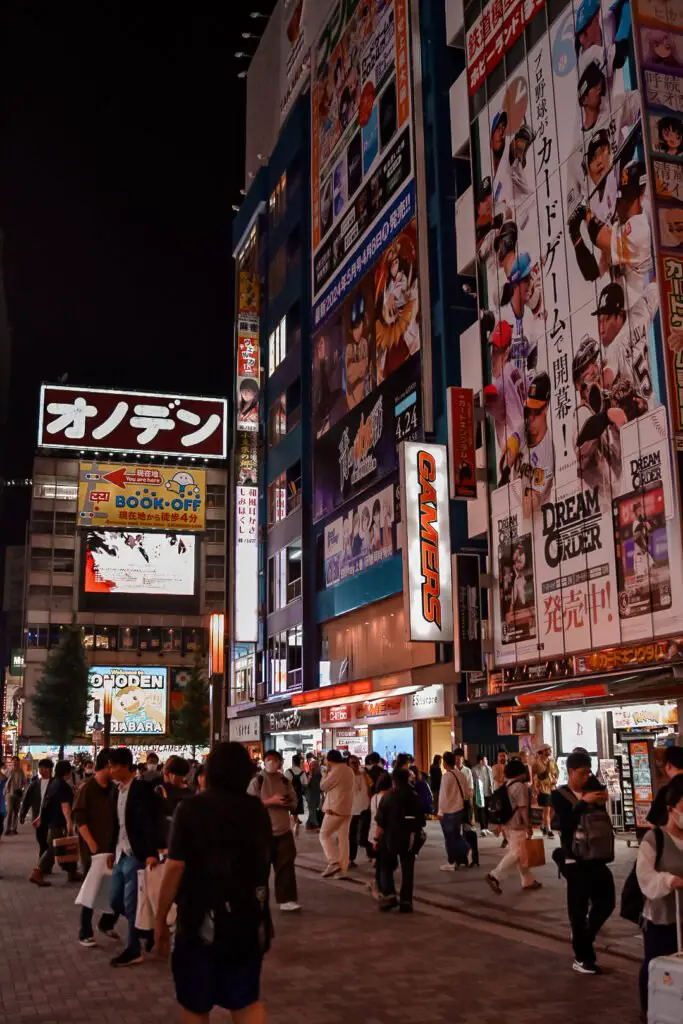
column 246, row 564
column 141, row 497
column 585, row 533
column 139, row 699
column 462, row 443
column 361, row 538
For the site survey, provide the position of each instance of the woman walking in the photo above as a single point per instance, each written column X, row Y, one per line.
column 312, row 795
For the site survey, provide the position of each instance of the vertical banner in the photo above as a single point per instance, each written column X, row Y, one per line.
column 427, row 586
column 467, row 639
column 462, row 455
column 585, row 550
column 246, row 565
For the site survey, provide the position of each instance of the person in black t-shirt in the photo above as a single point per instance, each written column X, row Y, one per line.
column 55, row 817
column 400, row 819
column 673, row 766
column 217, row 872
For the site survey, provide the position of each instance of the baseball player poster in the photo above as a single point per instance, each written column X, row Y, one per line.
column 575, row 385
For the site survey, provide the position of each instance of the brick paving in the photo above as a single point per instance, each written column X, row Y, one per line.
column 340, row 960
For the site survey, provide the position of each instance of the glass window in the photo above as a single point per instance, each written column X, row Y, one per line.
column 277, row 204
column 63, row 561
column 277, row 500
column 42, row 521
column 88, row 636
column 277, row 421
column 277, row 345
column 277, row 272
column 277, row 663
column 193, row 640
column 293, row 488
column 215, row 496
column 293, row 551
column 36, row 636
column 65, row 523
column 215, row 531
column 128, row 638
column 106, row 638
column 41, row 559
column 62, row 591
column 277, row 581
column 62, row 490
column 55, row 635
column 215, row 567
column 171, row 639
column 150, row 639
column 295, row 659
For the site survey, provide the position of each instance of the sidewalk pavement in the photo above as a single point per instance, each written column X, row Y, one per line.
column 542, row 912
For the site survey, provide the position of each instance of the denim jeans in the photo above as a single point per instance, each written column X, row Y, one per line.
column 124, row 895
column 457, row 849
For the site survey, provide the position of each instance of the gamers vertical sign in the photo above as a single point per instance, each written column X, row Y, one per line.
column 427, row 585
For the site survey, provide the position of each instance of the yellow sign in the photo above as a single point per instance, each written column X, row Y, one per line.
column 141, row 497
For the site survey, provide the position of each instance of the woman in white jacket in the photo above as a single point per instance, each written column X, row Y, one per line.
column 659, row 878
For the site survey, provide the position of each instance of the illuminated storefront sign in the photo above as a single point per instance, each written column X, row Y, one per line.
column 141, row 497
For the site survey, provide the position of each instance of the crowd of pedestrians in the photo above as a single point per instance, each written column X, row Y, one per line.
column 223, row 827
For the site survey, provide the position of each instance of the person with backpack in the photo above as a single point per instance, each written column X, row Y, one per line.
column 586, row 848
column 278, row 796
column 399, row 836
column 297, row 776
column 452, row 812
column 514, row 816
column 658, row 814
column 217, row 872
column 659, row 870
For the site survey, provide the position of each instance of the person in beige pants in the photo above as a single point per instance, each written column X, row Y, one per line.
column 338, row 786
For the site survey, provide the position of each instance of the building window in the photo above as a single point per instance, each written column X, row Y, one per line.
column 62, row 490
column 243, row 687
column 215, row 531
column 277, row 204
column 171, row 639
column 193, row 640
column 293, row 488
column 293, row 570
column 277, row 581
column 128, row 638
column 276, row 500
column 41, row 559
column 215, row 567
column 63, row 561
column 295, row 658
column 65, row 523
column 36, row 636
column 277, row 273
column 55, row 635
column 42, row 521
column 215, row 496
column 277, row 663
column 277, row 345
column 106, row 638
column 277, row 421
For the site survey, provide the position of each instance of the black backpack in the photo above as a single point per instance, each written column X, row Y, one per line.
column 632, row 899
column 499, row 806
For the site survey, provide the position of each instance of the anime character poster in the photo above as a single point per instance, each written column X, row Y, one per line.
column 570, row 324
column 363, row 537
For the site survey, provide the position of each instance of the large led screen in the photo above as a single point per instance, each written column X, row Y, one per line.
column 139, row 699
column 139, row 564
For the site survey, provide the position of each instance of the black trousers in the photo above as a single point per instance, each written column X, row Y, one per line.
column 590, row 902
column 387, row 864
column 658, row 940
column 282, row 857
column 359, row 828
column 483, row 818
column 42, row 840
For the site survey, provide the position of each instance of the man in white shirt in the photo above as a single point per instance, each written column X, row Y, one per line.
column 338, row 787
column 33, row 800
column 517, row 829
column 454, row 793
column 139, row 836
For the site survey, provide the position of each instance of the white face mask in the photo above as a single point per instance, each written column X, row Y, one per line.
column 271, row 767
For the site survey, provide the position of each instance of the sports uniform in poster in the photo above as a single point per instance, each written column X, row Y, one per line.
column 569, row 326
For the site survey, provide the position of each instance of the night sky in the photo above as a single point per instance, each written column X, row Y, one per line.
column 121, row 154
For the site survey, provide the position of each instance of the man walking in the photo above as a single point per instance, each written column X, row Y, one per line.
column 14, row 791
column 453, row 795
column 152, row 772
column 360, row 811
column 483, row 788
column 587, row 846
column 400, row 820
column 338, row 787
column 94, row 815
column 517, row 829
column 278, row 796
column 55, row 816
column 138, row 836
column 34, row 798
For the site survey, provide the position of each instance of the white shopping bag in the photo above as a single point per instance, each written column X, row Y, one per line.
column 153, row 877
column 96, row 889
column 144, row 915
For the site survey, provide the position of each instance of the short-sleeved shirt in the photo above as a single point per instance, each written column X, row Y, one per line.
column 95, row 808
column 59, row 792
column 519, row 799
column 224, row 841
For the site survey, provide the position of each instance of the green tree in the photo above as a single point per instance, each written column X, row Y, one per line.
column 61, row 698
column 191, row 720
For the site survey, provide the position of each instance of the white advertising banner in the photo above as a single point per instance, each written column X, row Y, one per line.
column 585, row 538
column 427, row 583
column 246, row 564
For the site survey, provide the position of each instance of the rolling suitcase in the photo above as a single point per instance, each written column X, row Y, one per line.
column 665, row 986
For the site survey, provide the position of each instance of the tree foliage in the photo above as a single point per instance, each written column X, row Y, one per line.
column 61, row 698
column 191, row 720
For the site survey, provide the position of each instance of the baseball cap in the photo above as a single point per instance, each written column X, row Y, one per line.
column 597, row 141
column 538, row 394
column 497, row 118
column 521, row 268
column 501, row 335
column 611, row 300
column 631, row 179
column 591, row 76
column 585, row 13
column 587, row 353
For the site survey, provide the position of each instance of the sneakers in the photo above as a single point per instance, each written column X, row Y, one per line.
column 330, row 871
column 343, row 876
column 290, row 906
column 533, row 887
column 494, row 884
column 584, row 968
column 126, row 959
column 109, row 932
column 37, row 878
column 388, row 903
column 448, row 867
column 88, row 943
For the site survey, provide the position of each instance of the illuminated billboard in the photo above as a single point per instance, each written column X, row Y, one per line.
column 139, row 699
column 124, row 563
column 141, row 497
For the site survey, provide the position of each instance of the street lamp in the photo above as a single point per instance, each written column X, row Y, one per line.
column 216, row 669
column 108, row 690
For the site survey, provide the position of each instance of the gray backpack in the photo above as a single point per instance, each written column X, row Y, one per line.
column 593, row 837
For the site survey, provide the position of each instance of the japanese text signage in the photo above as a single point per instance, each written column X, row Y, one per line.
column 141, row 497
column 139, row 699
column 467, row 644
column 248, row 381
column 462, row 443
column 427, row 556
column 499, row 25
column 585, row 521
column 93, row 419
column 246, row 564
column 291, row 720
